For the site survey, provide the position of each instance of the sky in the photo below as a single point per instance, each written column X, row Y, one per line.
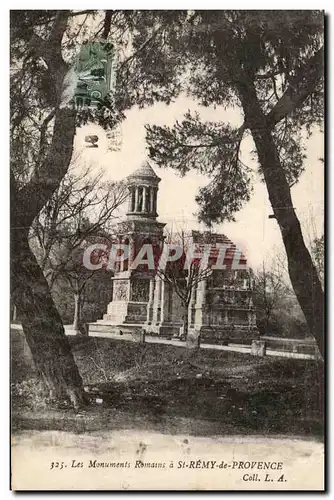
column 253, row 232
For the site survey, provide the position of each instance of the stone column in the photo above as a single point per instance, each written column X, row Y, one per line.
column 226, row 317
column 158, row 301
column 253, row 318
column 164, row 303
column 151, row 191
column 162, row 299
column 133, row 198
column 136, row 199
column 144, row 199
column 249, row 314
column 130, row 200
column 121, row 264
column 150, row 302
column 201, row 293
column 191, row 311
column 200, row 308
column 131, row 251
column 155, row 191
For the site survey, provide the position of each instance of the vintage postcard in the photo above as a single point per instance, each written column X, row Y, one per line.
column 167, row 250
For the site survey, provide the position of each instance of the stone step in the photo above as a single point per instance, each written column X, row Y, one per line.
column 111, row 317
column 104, row 326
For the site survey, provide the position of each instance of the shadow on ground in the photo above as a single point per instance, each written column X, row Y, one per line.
column 175, row 390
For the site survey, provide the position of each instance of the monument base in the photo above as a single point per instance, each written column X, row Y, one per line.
column 216, row 334
column 126, row 313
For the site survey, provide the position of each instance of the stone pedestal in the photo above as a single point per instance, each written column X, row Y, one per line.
column 258, row 348
column 138, row 336
column 130, row 299
column 193, row 339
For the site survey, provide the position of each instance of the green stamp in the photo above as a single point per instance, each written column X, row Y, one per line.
column 94, row 68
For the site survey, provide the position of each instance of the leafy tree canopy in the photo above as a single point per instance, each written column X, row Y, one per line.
column 279, row 55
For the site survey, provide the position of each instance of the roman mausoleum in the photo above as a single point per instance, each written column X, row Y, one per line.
column 221, row 305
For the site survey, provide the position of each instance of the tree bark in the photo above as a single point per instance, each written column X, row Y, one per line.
column 185, row 323
column 302, row 272
column 40, row 319
column 42, row 325
column 77, row 312
column 14, row 318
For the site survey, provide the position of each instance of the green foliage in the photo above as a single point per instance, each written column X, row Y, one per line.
column 221, row 51
column 211, row 149
column 291, row 149
column 153, row 71
column 192, row 144
column 205, row 54
column 108, row 115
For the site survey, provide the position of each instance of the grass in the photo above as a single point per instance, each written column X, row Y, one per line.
column 174, row 390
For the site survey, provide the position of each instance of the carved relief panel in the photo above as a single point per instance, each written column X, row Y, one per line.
column 121, row 289
column 140, row 290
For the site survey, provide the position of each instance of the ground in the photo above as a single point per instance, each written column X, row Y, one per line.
column 174, row 390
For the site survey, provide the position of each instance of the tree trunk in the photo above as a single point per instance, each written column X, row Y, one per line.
column 14, row 318
column 185, row 323
column 302, row 272
column 42, row 324
column 77, row 312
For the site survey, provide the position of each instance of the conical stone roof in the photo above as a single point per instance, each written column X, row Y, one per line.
column 144, row 171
